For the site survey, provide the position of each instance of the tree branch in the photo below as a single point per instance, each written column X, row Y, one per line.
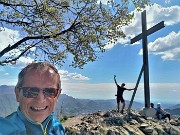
column 5, row 50
column 15, row 22
column 10, row 4
column 2, row 63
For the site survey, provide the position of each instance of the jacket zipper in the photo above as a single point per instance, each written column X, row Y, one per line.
column 44, row 130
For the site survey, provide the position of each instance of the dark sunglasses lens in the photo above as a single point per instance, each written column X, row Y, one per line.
column 30, row 92
column 50, row 92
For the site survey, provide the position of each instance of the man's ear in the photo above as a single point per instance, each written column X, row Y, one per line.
column 17, row 92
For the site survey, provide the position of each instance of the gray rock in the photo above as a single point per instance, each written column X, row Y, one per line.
column 148, row 130
column 111, row 132
column 114, row 123
column 174, row 130
column 133, row 122
column 133, row 130
column 160, row 130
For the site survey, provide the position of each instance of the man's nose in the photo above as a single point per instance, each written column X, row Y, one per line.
column 40, row 97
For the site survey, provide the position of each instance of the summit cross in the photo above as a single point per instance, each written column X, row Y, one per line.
column 143, row 36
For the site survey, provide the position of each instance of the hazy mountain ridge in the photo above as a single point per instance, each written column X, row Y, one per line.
column 84, row 106
column 4, row 89
column 174, row 107
column 68, row 105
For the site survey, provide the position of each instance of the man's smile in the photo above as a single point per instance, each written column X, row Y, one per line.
column 34, row 108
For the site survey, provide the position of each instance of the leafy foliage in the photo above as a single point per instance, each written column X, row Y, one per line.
column 52, row 30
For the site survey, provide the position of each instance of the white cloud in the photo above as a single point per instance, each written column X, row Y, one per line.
column 8, row 36
column 157, row 13
column 154, row 15
column 65, row 75
column 167, row 1
column 62, row 72
column 80, row 77
column 22, row 62
column 125, row 41
column 167, row 47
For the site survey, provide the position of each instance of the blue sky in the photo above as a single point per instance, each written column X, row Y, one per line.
column 124, row 60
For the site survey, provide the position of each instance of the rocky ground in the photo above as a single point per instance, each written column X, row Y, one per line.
column 114, row 123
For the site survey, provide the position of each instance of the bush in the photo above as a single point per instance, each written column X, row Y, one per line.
column 63, row 118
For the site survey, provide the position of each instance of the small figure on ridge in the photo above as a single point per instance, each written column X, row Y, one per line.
column 162, row 114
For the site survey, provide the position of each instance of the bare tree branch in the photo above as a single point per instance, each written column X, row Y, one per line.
column 12, row 4
column 7, row 49
column 15, row 22
column 2, row 63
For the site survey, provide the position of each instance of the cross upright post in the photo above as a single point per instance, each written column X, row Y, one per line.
column 143, row 36
column 145, row 60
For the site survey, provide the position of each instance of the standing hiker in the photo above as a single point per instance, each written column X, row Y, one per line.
column 120, row 90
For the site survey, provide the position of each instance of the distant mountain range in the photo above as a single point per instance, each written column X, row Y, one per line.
column 174, row 107
column 68, row 105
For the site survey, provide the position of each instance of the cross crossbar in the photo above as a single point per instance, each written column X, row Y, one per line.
column 149, row 31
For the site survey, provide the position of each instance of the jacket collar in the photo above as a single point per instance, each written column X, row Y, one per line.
column 27, row 121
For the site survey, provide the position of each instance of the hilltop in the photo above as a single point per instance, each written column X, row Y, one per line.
column 113, row 123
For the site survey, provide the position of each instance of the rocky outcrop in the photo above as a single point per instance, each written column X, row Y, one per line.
column 114, row 123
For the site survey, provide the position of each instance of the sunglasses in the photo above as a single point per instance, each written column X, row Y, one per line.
column 32, row 92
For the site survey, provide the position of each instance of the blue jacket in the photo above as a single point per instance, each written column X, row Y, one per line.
column 161, row 111
column 17, row 124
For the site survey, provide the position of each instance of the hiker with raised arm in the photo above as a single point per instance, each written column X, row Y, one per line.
column 120, row 90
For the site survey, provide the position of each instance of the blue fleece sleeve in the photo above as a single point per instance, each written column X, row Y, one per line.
column 9, row 128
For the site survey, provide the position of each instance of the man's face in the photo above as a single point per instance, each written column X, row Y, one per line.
column 39, row 108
